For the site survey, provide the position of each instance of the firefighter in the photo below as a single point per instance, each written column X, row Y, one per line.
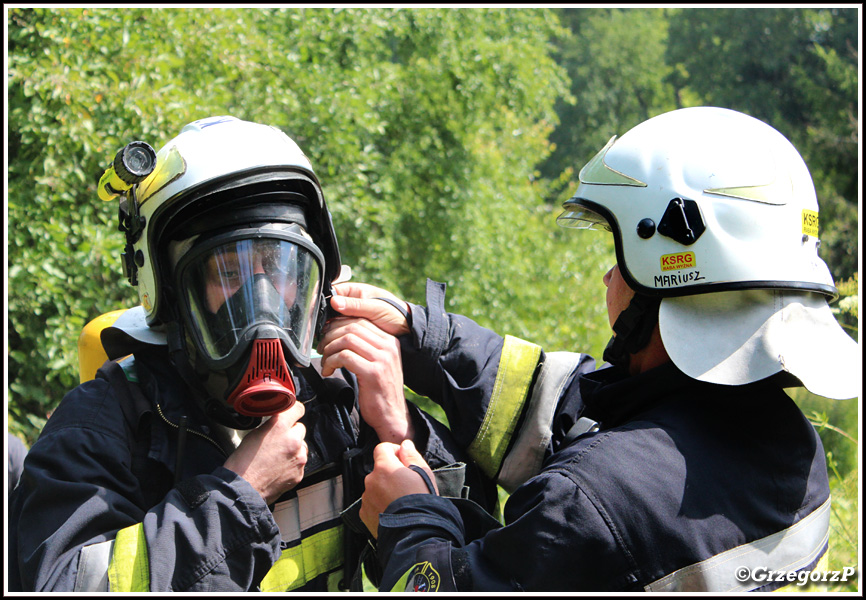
column 211, row 455
column 680, row 463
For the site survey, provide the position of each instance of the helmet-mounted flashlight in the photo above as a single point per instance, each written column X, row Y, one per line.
column 132, row 164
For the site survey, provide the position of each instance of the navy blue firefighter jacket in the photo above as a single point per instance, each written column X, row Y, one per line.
column 656, row 482
column 108, row 500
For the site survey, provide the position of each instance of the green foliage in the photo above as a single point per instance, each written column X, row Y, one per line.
column 844, row 546
column 837, row 424
column 616, row 60
column 424, row 126
column 796, row 69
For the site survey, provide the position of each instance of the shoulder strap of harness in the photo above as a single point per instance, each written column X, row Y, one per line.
column 123, row 377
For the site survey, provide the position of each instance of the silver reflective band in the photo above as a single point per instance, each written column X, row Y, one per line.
column 93, row 567
column 793, row 548
column 314, row 505
column 320, row 503
column 525, row 458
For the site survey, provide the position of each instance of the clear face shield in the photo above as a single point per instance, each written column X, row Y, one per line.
column 576, row 216
column 250, row 299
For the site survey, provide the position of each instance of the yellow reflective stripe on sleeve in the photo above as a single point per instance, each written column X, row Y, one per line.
column 527, row 451
column 400, row 586
column 516, row 368
column 314, row 556
column 128, row 570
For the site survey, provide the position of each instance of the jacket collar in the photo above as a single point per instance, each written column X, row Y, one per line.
column 613, row 397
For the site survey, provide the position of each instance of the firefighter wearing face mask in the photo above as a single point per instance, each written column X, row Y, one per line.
column 210, row 455
column 682, row 465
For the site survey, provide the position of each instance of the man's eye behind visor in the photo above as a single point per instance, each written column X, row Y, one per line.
column 245, row 284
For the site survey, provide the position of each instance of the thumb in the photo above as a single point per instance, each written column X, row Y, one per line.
column 409, row 455
column 378, row 312
column 385, row 454
column 359, row 290
column 367, row 308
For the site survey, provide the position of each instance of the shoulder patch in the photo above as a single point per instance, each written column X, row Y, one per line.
column 423, row 578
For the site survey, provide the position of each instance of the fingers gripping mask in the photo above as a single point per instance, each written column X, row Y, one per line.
column 250, row 305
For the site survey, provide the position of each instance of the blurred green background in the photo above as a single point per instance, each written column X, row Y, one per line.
column 445, row 139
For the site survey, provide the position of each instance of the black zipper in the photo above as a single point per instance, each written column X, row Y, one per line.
column 193, row 431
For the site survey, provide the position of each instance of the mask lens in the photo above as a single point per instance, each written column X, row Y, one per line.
column 243, row 284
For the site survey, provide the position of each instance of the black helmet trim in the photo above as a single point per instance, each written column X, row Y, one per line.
column 235, row 191
column 204, row 246
column 694, row 288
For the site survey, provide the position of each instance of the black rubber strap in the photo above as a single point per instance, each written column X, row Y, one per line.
column 425, row 477
column 396, row 305
column 436, row 332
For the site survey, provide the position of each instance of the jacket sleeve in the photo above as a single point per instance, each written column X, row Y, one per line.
column 430, row 542
column 81, row 522
column 500, row 394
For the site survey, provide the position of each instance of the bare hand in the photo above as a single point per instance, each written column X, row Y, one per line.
column 390, row 479
column 359, row 300
column 272, row 457
column 374, row 357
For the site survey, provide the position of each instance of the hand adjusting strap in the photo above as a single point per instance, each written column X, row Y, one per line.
column 425, row 477
column 396, row 305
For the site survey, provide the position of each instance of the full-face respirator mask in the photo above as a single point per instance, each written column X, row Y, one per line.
column 249, row 300
column 232, row 249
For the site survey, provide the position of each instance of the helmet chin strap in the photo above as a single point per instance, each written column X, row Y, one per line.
column 632, row 329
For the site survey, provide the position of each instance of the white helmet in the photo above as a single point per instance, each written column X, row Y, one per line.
column 704, row 200
column 232, row 249
column 209, row 157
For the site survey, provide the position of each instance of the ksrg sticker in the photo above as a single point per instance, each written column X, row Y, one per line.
column 810, row 223
column 679, row 261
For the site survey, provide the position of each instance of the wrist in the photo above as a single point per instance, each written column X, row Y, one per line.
column 397, row 430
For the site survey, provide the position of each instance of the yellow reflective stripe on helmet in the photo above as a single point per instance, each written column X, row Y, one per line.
column 169, row 166
column 516, row 368
column 128, row 570
column 314, row 556
column 596, row 171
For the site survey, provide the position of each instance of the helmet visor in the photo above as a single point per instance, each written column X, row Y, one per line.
column 576, row 216
column 244, row 284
